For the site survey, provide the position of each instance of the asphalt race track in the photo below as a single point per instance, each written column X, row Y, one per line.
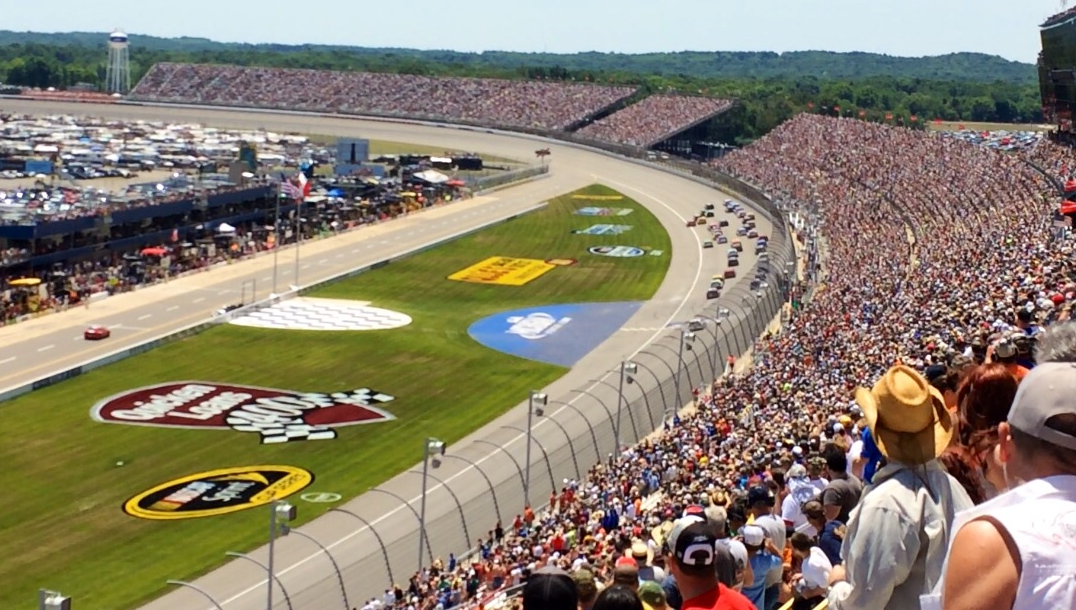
column 52, row 343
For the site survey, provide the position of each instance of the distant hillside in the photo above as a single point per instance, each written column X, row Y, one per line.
column 968, row 67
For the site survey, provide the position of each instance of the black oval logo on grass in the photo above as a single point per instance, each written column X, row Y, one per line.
column 218, row 492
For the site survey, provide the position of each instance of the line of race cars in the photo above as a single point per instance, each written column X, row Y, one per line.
column 707, row 217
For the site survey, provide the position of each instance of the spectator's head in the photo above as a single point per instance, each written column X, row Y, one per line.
column 718, row 518
column 618, row 598
column 691, row 556
column 815, row 513
column 641, row 553
column 626, row 573
column 801, row 544
column 1057, row 343
column 754, row 538
column 836, row 462
column 1039, row 439
column 550, row 589
column 906, row 416
column 984, row 397
column 760, row 500
column 946, row 380
column 653, row 596
column 586, row 588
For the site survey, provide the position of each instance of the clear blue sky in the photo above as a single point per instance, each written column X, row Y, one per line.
column 897, row 27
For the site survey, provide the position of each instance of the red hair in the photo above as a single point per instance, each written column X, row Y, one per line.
column 985, row 397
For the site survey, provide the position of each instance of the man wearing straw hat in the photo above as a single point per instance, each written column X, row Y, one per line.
column 897, row 537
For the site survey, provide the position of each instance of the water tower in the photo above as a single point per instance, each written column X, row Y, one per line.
column 118, row 76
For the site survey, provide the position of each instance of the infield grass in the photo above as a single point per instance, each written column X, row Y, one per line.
column 61, row 525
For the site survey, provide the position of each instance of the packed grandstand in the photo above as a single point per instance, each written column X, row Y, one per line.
column 938, row 252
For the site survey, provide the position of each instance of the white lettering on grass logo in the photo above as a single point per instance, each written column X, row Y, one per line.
column 277, row 416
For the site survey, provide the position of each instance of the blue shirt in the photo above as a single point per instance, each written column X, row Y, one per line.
column 761, row 564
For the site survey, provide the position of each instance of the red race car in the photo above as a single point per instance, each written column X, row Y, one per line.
column 96, row 333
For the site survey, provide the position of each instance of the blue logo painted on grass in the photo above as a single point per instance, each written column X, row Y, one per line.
column 555, row 334
column 603, row 230
column 591, row 211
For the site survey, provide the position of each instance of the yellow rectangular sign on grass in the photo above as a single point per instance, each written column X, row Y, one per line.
column 503, row 270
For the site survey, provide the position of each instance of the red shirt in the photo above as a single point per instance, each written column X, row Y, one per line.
column 721, row 598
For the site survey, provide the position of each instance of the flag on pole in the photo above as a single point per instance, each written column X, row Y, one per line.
column 304, row 184
column 288, row 188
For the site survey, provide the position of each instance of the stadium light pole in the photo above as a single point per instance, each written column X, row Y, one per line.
column 626, row 368
column 438, row 448
column 194, row 587
column 685, row 339
column 279, row 511
column 542, row 400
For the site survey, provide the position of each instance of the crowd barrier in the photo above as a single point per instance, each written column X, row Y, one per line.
column 668, row 369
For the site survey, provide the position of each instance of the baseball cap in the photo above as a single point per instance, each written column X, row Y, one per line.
column 626, row 571
column 550, row 589
column 760, row 494
column 1045, row 392
column 753, row 535
column 692, row 543
column 585, row 585
column 652, row 595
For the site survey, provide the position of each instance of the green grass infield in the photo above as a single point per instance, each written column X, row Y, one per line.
column 62, row 524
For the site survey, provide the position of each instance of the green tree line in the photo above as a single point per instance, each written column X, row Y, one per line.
column 764, row 101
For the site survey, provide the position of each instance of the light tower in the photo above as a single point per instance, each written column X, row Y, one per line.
column 118, row 76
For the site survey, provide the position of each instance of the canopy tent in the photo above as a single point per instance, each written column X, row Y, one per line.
column 225, row 228
column 431, row 176
column 25, row 281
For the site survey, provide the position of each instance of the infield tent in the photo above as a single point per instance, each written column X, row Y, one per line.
column 431, row 176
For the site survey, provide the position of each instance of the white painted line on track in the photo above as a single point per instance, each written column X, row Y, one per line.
column 6, row 360
column 77, row 338
column 198, row 300
column 267, row 278
column 323, row 261
column 145, row 316
column 47, row 347
column 221, row 293
column 569, row 404
column 173, row 308
column 305, row 267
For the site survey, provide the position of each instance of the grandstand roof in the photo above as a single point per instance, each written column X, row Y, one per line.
column 1059, row 18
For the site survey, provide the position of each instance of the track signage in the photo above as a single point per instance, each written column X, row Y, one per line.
column 504, row 271
column 218, row 492
column 276, row 416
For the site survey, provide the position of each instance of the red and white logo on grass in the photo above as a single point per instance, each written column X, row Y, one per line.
column 278, row 416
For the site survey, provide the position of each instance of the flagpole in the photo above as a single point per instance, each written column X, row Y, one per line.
column 276, row 236
column 298, row 236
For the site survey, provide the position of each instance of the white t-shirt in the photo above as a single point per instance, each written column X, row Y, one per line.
column 854, row 453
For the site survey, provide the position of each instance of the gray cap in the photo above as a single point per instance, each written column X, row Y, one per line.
column 1048, row 390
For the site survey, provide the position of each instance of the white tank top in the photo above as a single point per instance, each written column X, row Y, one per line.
column 1040, row 516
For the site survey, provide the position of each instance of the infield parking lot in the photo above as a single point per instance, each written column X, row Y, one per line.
column 67, row 477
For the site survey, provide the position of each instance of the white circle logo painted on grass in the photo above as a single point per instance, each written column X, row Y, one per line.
column 321, row 497
column 306, row 313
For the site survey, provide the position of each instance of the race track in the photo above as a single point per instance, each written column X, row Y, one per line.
column 53, row 342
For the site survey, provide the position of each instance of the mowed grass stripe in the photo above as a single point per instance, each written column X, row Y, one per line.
column 62, row 526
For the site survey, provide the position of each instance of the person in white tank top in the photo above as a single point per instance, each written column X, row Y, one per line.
column 1019, row 550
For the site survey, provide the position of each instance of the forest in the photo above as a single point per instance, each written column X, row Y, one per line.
column 770, row 87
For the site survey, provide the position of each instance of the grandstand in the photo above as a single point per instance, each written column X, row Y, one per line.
column 654, row 119
column 1057, row 70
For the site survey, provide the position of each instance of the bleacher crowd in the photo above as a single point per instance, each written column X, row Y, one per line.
column 913, row 409
column 653, row 119
column 542, row 105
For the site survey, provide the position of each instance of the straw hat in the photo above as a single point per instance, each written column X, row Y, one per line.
column 640, row 551
column 907, row 416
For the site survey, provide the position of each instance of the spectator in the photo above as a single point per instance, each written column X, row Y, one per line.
column 644, row 557
column 1016, row 551
column 842, row 493
column 550, row 588
column 895, row 544
column 733, row 571
column 586, row 588
column 761, row 502
column 691, row 559
column 765, row 559
column 1057, row 343
column 652, row 596
column 812, row 581
column 830, row 533
column 618, row 597
column 626, row 574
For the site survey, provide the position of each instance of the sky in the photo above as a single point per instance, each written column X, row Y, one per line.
column 897, row 27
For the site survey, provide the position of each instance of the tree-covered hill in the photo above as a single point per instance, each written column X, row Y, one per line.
column 971, row 67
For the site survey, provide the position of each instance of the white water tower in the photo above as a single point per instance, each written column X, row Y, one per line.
column 118, row 76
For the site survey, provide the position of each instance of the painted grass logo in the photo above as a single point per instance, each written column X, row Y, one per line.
column 218, row 492
column 277, row 416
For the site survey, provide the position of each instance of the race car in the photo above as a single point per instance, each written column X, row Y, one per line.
column 713, row 293
column 709, row 206
column 752, row 233
column 707, row 244
column 734, row 262
column 737, row 244
column 96, row 333
column 717, row 283
column 695, row 325
column 721, row 239
column 730, row 273
column 228, row 308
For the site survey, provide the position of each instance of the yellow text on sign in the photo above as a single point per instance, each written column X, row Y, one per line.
column 503, row 270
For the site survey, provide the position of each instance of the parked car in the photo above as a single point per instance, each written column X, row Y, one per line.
column 96, row 333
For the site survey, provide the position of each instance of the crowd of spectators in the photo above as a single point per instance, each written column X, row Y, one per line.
column 654, row 119
column 941, row 272
column 509, row 103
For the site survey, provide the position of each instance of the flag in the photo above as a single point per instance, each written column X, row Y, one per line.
column 304, row 184
column 288, row 188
